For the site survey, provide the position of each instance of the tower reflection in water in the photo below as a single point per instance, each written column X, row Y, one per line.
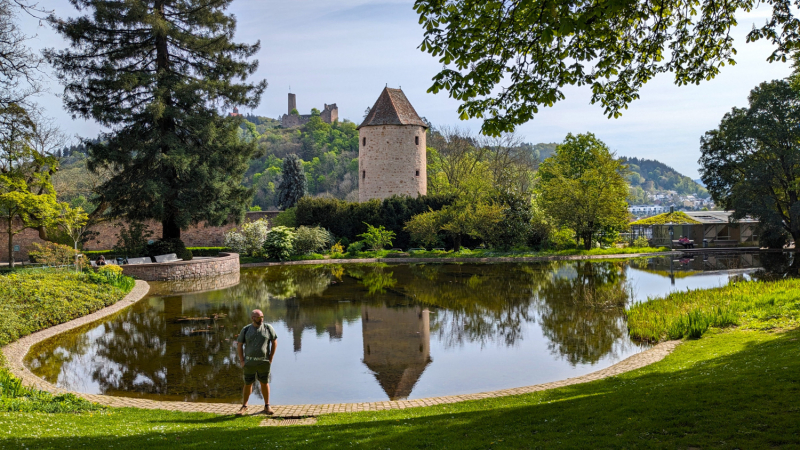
column 397, row 346
column 547, row 320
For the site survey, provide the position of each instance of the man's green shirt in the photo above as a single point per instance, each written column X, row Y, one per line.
column 257, row 341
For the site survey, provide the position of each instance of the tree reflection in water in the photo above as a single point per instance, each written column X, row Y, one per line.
column 182, row 347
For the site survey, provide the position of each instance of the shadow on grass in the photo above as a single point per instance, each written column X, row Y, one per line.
column 728, row 390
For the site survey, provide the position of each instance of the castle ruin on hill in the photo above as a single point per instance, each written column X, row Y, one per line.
column 329, row 114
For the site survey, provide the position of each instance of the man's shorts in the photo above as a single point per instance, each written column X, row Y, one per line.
column 256, row 370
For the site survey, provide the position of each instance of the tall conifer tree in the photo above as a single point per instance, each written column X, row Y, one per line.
column 155, row 72
column 293, row 184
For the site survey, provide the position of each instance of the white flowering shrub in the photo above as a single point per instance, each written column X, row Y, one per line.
column 249, row 239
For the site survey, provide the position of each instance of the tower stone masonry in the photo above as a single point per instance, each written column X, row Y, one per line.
column 392, row 149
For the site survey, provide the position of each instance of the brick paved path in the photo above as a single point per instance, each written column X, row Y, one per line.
column 15, row 352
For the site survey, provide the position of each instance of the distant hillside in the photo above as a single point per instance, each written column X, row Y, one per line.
column 650, row 176
column 541, row 151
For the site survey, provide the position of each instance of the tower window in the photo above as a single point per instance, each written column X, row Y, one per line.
column 416, row 140
column 364, row 141
column 364, row 174
column 417, row 174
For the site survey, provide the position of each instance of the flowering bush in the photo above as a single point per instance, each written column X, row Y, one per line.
column 249, row 239
column 311, row 239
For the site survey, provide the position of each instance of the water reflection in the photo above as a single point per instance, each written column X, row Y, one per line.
column 396, row 346
column 371, row 332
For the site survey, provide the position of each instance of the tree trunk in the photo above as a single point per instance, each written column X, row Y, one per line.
column 456, row 242
column 10, row 244
column 170, row 229
column 587, row 240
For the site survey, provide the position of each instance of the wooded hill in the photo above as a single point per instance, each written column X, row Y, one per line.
column 330, row 159
column 651, row 176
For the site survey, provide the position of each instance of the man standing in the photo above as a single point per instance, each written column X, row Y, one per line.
column 256, row 348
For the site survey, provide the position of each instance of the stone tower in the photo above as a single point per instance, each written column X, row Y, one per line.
column 391, row 151
column 292, row 103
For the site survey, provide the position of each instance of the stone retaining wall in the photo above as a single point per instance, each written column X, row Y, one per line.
column 195, row 285
column 182, row 270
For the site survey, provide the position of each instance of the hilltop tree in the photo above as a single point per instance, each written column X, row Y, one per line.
column 582, row 186
column 751, row 163
column 504, row 59
column 156, row 72
column 293, row 184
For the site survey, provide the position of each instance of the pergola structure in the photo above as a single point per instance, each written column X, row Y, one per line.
column 705, row 228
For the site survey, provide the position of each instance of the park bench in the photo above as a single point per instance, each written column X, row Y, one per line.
column 145, row 260
column 166, row 258
column 677, row 244
column 725, row 243
column 416, row 249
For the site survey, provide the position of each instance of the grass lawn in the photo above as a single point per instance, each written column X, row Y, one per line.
column 466, row 253
column 731, row 388
column 34, row 299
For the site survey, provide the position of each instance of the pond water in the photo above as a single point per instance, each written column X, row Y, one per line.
column 372, row 332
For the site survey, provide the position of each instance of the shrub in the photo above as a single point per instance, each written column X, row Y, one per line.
column 514, row 228
column 112, row 275
column 562, row 239
column 206, row 251
column 347, row 220
column 249, row 240
column 377, row 238
column 337, row 248
column 311, row 240
column 771, row 236
column 52, row 254
column 132, row 241
column 14, row 397
column 641, row 241
column 355, row 247
column 167, row 246
column 279, row 243
column 287, row 218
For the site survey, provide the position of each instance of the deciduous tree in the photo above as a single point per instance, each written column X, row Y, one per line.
column 27, row 197
column 582, row 186
column 504, row 59
column 751, row 162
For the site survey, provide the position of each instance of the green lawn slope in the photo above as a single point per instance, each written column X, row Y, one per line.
column 732, row 388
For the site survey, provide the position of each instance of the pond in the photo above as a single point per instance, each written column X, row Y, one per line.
column 372, row 332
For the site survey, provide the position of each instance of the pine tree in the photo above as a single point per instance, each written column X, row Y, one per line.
column 155, row 72
column 293, row 184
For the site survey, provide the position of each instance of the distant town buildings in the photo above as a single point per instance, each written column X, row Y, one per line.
column 647, row 210
column 235, row 112
column 662, row 201
column 329, row 114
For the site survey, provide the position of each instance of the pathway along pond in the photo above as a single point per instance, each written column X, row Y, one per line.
column 372, row 332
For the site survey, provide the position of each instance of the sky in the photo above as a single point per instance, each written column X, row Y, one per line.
column 345, row 52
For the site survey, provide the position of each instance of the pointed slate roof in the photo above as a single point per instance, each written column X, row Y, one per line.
column 392, row 108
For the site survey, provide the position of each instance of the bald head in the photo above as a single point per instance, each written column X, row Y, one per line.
column 257, row 316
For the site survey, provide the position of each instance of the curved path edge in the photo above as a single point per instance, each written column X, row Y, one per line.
column 16, row 351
